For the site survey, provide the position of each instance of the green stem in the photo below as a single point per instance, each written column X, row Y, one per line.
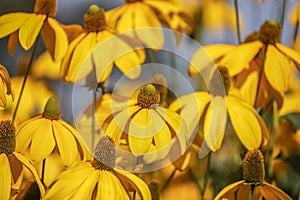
column 261, row 69
column 273, row 125
column 283, row 13
column 295, row 33
column 168, row 181
column 134, row 195
column 25, row 78
column 238, row 28
column 206, row 176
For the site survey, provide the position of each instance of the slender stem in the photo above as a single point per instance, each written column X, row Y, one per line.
column 295, row 33
column 238, row 28
column 134, row 195
column 94, row 91
column 283, row 13
column 273, row 125
column 261, row 69
column 26, row 76
column 168, row 181
column 206, row 175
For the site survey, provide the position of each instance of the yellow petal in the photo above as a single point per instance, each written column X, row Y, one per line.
column 55, row 39
column 245, row 122
column 215, row 122
column 30, row 29
column 80, row 64
column 25, row 134
column 148, row 28
column 177, row 127
column 228, row 188
column 206, row 55
column 277, row 69
column 291, row 53
column 68, row 57
column 67, row 150
column 109, row 187
column 132, row 181
column 69, row 181
column 87, row 187
column 11, row 22
column 5, row 177
column 248, row 89
column 43, row 142
column 29, row 166
column 239, row 58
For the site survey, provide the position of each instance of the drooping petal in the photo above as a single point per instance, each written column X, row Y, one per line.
column 80, row 65
column 68, row 57
column 215, row 122
column 85, row 190
column 148, row 27
column 12, row 42
column 66, row 143
column 30, row 29
column 109, row 187
column 206, row 55
column 227, row 189
column 245, row 123
column 42, row 143
column 277, row 69
column 276, row 191
column 55, row 39
column 131, row 181
column 239, row 58
column 5, row 177
column 68, row 182
column 29, row 166
column 11, row 22
column 291, row 53
column 25, row 133
column 244, row 191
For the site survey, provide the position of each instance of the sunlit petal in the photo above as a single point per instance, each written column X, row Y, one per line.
column 227, row 189
column 277, row 69
column 42, row 143
column 12, row 22
column 30, row 29
column 132, row 181
column 5, row 177
column 245, row 123
column 239, row 58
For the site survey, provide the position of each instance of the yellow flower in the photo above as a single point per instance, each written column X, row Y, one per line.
column 13, row 164
column 5, row 87
column 217, row 15
column 247, row 124
column 276, row 57
column 253, row 184
column 83, row 56
column 98, row 178
column 146, row 126
column 25, row 28
column 44, row 66
column 47, row 134
column 145, row 18
column 36, row 92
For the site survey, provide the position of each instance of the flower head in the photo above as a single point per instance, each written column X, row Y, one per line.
column 144, row 124
column 13, row 164
column 145, row 19
column 253, row 184
column 247, row 124
column 5, row 87
column 98, row 178
column 25, row 28
column 47, row 134
column 84, row 58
